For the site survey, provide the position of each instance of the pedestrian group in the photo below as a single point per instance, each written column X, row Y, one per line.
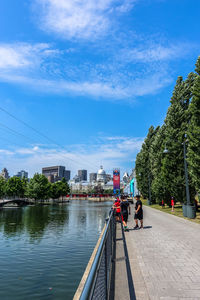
column 122, row 210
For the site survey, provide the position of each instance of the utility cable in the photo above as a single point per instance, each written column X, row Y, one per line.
column 43, row 135
column 18, row 133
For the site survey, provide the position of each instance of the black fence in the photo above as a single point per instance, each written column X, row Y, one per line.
column 98, row 278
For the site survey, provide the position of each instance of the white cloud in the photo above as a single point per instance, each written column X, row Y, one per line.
column 80, row 18
column 97, row 90
column 23, row 55
column 6, row 152
column 153, row 52
column 34, row 66
column 110, row 151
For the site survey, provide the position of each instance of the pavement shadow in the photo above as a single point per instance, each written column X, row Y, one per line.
column 145, row 227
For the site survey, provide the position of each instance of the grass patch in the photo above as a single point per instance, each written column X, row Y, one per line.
column 177, row 211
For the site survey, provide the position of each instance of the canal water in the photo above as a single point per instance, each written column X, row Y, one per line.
column 44, row 249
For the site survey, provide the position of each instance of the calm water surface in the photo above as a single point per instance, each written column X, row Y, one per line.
column 44, row 249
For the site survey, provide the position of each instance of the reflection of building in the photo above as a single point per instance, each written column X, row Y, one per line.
column 4, row 173
column 93, row 177
column 56, row 173
column 82, row 174
column 22, row 174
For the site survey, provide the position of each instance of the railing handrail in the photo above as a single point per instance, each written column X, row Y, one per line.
column 87, row 288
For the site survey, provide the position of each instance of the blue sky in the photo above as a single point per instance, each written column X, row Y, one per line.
column 91, row 76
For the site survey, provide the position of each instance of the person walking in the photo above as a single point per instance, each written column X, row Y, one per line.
column 163, row 203
column 172, row 203
column 138, row 213
column 125, row 210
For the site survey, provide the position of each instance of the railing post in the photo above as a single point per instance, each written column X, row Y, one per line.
column 106, row 277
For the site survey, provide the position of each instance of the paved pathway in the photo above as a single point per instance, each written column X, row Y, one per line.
column 165, row 257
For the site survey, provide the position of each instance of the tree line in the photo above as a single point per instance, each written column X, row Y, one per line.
column 160, row 173
column 38, row 188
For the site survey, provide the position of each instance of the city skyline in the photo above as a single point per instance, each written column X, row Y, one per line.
column 82, row 92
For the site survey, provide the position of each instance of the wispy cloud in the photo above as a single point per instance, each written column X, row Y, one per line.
column 80, row 18
column 154, row 52
column 50, row 70
column 111, row 152
column 23, row 55
column 97, row 90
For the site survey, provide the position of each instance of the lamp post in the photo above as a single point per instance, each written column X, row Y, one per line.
column 186, row 173
column 188, row 210
column 149, row 181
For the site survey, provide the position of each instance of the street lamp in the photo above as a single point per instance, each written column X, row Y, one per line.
column 186, row 173
column 188, row 210
column 149, row 200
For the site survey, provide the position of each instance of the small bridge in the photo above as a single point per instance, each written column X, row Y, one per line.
column 19, row 202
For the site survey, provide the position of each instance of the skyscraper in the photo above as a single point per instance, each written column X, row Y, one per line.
column 93, row 177
column 82, row 174
column 4, row 173
column 56, row 173
column 22, row 174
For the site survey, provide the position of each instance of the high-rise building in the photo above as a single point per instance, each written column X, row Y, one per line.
column 56, row 173
column 4, row 173
column 93, row 177
column 67, row 175
column 22, row 174
column 82, row 174
column 108, row 177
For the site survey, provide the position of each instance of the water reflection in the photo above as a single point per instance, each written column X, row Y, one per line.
column 33, row 219
column 47, row 246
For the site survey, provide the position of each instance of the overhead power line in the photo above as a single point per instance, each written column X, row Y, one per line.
column 44, row 136
column 17, row 133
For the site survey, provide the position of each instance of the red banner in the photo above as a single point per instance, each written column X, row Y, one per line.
column 116, row 180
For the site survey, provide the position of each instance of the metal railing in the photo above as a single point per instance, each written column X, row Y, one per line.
column 97, row 280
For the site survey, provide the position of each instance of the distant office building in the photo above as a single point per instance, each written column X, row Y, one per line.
column 82, row 174
column 108, row 177
column 93, row 177
column 4, row 173
column 76, row 179
column 67, row 175
column 125, row 177
column 22, row 174
column 56, row 173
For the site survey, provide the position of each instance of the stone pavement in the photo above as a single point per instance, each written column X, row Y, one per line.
column 164, row 257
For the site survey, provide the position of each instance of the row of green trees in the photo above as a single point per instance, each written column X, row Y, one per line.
column 37, row 188
column 160, row 172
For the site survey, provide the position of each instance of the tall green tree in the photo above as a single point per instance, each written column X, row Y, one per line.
column 144, row 174
column 14, row 187
column 176, row 123
column 194, row 132
column 2, row 187
column 64, row 187
column 159, row 190
column 38, row 188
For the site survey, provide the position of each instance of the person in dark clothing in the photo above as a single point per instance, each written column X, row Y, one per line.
column 125, row 210
column 138, row 213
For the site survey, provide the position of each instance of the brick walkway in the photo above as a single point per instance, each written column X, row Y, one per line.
column 164, row 257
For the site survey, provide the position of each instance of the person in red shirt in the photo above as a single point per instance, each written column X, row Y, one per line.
column 172, row 203
column 117, row 209
column 162, row 203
